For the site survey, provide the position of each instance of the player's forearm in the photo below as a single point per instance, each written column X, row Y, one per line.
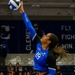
column 28, row 25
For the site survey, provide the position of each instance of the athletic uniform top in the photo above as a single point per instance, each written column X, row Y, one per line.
column 44, row 60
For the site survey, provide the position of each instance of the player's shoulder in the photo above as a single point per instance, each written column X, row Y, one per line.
column 50, row 53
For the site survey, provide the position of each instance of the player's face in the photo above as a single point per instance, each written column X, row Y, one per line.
column 45, row 38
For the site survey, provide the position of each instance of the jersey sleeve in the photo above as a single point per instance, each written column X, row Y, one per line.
column 28, row 25
column 35, row 42
column 37, row 39
column 51, row 61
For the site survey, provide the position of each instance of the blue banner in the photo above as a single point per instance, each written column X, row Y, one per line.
column 18, row 39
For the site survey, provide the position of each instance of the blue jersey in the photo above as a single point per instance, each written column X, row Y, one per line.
column 44, row 60
column 40, row 59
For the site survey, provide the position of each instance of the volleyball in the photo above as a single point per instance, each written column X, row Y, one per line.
column 14, row 4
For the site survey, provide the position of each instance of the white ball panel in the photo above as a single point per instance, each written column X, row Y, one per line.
column 12, row 4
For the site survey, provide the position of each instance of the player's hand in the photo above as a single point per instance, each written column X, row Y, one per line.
column 21, row 9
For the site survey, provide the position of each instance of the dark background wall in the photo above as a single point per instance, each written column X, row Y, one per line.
column 65, row 30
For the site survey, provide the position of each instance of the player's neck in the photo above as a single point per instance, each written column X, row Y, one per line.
column 45, row 47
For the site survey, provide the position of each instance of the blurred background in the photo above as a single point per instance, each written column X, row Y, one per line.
column 55, row 16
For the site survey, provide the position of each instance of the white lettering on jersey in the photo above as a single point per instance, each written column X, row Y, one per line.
column 26, row 18
column 39, row 54
column 39, row 48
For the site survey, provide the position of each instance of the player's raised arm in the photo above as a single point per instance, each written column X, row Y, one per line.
column 27, row 22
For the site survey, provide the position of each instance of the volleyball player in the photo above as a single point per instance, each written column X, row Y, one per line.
column 46, row 48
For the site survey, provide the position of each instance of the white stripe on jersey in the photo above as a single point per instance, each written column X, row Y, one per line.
column 34, row 36
column 51, row 68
